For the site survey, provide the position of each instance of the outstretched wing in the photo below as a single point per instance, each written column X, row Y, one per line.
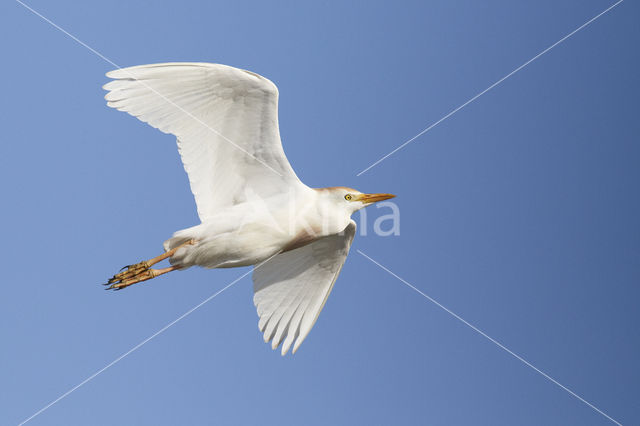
column 226, row 122
column 291, row 289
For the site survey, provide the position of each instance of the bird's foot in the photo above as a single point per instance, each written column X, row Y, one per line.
column 141, row 271
column 130, row 277
column 143, row 274
column 129, row 271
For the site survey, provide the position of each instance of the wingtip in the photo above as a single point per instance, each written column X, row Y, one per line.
column 303, row 335
column 110, row 74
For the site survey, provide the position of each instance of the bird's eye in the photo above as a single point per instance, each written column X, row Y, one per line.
column 348, row 197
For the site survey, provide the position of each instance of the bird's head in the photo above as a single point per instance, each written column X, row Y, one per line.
column 351, row 199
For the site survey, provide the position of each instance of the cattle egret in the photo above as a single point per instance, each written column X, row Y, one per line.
column 252, row 207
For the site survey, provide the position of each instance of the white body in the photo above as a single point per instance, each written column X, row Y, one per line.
column 253, row 208
column 251, row 232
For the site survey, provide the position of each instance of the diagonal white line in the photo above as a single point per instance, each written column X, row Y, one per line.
column 490, row 87
column 136, row 347
column 491, row 339
column 133, row 349
column 144, row 84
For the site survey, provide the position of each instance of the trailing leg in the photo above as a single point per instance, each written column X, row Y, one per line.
column 140, row 271
column 145, row 275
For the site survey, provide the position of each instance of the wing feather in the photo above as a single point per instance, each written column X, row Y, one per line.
column 226, row 123
column 291, row 289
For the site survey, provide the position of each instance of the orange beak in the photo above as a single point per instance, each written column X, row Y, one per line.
column 374, row 198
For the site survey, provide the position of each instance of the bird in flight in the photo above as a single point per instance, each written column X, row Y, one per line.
column 252, row 207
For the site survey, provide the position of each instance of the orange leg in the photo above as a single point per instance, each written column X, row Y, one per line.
column 141, row 272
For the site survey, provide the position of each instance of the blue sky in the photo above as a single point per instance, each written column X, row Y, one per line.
column 519, row 213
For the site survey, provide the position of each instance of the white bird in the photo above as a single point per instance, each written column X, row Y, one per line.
column 253, row 208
